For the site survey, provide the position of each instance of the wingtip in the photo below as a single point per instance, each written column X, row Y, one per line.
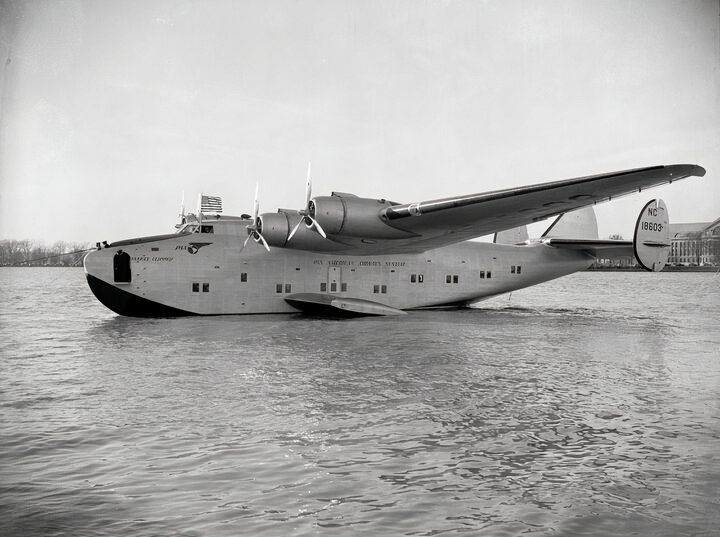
column 688, row 170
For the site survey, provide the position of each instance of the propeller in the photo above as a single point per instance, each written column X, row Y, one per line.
column 182, row 212
column 254, row 229
column 308, row 211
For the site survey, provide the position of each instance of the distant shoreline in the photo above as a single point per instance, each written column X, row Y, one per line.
column 25, row 265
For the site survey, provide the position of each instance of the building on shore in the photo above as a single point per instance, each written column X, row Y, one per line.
column 693, row 245
column 696, row 244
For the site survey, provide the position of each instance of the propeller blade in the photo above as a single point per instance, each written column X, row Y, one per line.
column 308, row 189
column 295, row 229
column 257, row 203
column 260, row 237
column 246, row 241
column 316, row 225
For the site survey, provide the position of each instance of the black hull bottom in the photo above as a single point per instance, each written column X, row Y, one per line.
column 124, row 303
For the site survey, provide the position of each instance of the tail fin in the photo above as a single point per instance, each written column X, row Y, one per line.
column 516, row 235
column 580, row 224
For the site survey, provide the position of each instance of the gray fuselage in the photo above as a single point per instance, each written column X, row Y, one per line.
column 211, row 274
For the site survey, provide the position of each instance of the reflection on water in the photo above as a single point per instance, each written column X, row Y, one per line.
column 585, row 406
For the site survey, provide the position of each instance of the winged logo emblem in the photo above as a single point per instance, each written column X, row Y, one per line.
column 193, row 247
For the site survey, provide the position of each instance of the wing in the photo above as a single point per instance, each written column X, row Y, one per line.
column 446, row 221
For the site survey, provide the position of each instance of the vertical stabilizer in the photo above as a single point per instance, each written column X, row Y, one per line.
column 580, row 224
column 516, row 235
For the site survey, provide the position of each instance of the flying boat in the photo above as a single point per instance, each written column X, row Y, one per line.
column 347, row 255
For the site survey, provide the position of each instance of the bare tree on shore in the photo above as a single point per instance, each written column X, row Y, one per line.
column 29, row 253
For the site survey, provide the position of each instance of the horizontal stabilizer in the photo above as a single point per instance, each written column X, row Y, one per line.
column 325, row 304
column 604, row 248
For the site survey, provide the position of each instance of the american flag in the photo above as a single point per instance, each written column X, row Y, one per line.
column 210, row 204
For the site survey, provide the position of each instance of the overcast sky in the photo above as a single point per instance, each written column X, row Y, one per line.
column 111, row 109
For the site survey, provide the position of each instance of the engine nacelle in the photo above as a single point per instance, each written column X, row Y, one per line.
column 354, row 217
column 276, row 227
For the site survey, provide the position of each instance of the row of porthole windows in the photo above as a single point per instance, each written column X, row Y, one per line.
column 515, row 269
column 279, row 287
column 333, row 287
column 382, row 289
column 455, row 278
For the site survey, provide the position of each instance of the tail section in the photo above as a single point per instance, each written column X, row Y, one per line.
column 650, row 244
column 580, row 224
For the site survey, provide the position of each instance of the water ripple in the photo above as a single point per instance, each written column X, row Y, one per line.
column 527, row 415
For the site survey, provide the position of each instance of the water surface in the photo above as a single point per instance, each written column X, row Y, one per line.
column 585, row 406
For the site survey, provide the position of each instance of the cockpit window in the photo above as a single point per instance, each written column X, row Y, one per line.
column 206, row 229
column 188, row 228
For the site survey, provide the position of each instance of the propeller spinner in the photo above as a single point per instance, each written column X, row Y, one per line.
column 308, row 212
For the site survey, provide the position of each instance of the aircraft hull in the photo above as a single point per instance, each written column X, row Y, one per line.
column 196, row 274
